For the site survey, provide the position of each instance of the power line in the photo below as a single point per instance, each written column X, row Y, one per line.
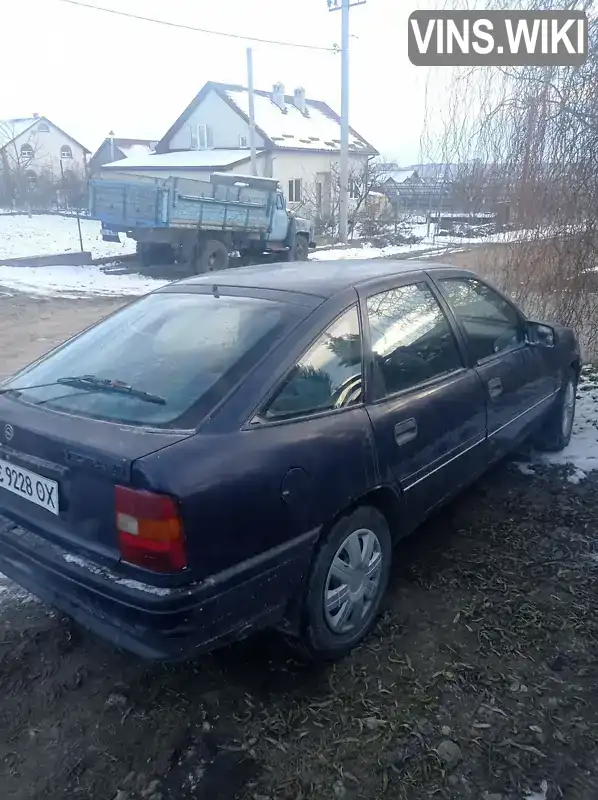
column 200, row 30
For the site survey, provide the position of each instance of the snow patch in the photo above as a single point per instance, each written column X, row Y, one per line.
column 10, row 592
column 70, row 281
column 44, row 234
column 582, row 452
column 526, row 469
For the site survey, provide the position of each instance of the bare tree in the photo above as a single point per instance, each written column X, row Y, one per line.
column 533, row 133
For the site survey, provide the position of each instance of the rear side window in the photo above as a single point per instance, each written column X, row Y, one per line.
column 181, row 349
column 327, row 377
column 412, row 340
column 490, row 322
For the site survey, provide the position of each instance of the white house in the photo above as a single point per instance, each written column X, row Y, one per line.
column 33, row 147
column 297, row 141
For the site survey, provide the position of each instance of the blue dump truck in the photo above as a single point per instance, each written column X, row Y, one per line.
column 201, row 223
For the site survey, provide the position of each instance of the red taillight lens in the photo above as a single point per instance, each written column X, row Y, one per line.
column 150, row 532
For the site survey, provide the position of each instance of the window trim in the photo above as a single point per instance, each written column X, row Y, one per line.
column 375, row 383
column 257, row 419
column 441, row 280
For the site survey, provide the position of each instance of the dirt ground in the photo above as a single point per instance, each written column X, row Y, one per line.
column 479, row 682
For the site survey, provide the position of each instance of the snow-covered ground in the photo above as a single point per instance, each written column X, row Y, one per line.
column 45, row 234
column 581, row 455
column 69, row 281
column 582, row 452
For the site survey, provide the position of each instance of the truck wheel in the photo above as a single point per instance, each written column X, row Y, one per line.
column 299, row 249
column 213, row 256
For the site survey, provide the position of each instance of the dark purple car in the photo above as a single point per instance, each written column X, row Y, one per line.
column 242, row 449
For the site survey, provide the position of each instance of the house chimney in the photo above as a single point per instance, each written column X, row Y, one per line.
column 35, row 115
column 299, row 99
column 278, row 96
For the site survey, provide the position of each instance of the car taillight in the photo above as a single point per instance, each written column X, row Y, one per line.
column 150, row 532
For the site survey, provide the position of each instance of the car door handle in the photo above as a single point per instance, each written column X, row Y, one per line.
column 494, row 387
column 405, row 431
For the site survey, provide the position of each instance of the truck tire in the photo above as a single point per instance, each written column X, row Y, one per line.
column 299, row 250
column 213, row 255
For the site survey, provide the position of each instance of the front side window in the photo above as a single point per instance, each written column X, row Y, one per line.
column 65, row 151
column 328, row 376
column 26, row 151
column 177, row 352
column 412, row 340
column 491, row 324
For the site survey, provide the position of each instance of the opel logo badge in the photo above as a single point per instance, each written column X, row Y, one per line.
column 9, row 433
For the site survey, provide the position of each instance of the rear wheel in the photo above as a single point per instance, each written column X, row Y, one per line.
column 347, row 583
column 555, row 435
column 213, row 255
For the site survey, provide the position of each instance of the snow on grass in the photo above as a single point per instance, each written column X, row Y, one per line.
column 368, row 251
column 70, row 281
column 582, row 452
column 47, row 234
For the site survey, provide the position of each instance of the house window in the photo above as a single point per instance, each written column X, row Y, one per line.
column 26, row 151
column 295, row 191
column 354, row 189
column 31, row 178
column 242, row 141
column 65, row 151
column 43, row 127
column 202, row 137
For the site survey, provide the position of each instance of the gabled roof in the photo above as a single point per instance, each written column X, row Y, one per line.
column 10, row 129
column 319, row 129
column 183, row 159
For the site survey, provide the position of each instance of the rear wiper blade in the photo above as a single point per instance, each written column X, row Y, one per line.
column 91, row 383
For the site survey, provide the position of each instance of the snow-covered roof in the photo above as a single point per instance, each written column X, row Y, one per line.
column 400, row 175
column 11, row 128
column 136, row 150
column 187, row 159
column 282, row 126
column 318, row 129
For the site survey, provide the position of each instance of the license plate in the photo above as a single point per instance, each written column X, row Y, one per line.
column 29, row 485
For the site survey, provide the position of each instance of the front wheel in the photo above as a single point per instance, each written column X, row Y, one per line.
column 347, row 583
column 556, row 433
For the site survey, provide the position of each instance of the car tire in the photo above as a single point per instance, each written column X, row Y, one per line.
column 556, row 432
column 347, row 583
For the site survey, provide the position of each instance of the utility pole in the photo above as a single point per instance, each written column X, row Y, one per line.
column 251, row 111
column 344, row 6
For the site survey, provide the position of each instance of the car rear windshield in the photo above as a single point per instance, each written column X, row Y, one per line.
column 183, row 350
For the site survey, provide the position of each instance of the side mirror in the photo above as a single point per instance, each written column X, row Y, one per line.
column 539, row 335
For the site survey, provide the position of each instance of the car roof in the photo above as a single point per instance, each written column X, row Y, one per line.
column 319, row 278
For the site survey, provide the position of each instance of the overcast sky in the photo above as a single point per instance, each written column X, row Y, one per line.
column 90, row 72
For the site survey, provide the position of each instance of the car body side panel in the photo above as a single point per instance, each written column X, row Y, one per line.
column 247, row 492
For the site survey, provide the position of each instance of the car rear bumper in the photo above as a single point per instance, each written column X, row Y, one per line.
column 158, row 623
